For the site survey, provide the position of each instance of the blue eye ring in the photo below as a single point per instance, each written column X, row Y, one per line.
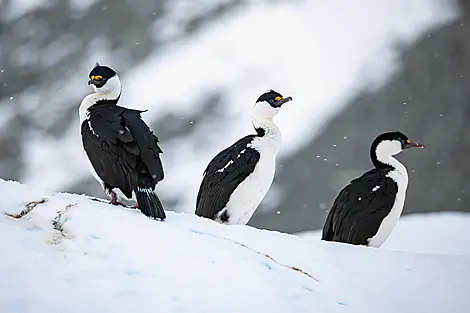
column 402, row 141
column 271, row 101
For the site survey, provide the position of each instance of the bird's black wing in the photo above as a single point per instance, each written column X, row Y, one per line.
column 120, row 147
column 360, row 208
column 110, row 148
column 223, row 174
column 146, row 141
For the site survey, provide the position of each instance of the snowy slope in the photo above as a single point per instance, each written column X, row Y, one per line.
column 319, row 52
column 441, row 233
column 98, row 258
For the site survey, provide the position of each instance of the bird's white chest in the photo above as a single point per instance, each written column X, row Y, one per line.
column 389, row 222
column 248, row 195
column 87, row 102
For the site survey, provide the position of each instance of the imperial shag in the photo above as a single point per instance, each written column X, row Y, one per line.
column 123, row 152
column 237, row 179
column 366, row 211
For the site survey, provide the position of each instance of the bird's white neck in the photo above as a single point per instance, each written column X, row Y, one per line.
column 271, row 131
column 398, row 173
column 384, row 156
column 94, row 98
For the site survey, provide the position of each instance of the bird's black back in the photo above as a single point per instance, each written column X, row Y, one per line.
column 217, row 186
column 122, row 149
column 358, row 211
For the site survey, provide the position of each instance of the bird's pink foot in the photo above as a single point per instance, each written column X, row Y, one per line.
column 114, row 200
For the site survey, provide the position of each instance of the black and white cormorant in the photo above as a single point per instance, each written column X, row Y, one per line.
column 366, row 211
column 123, row 152
column 237, row 179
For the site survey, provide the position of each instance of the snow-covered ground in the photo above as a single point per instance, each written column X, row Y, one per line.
column 439, row 233
column 71, row 254
column 319, row 52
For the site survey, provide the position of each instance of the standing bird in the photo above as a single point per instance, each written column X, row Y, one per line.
column 366, row 211
column 237, row 179
column 123, row 152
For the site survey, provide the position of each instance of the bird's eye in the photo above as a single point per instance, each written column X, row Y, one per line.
column 402, row 141
column 97, row 77
column 271, row 101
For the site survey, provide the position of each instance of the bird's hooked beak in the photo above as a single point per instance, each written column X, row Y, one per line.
column 281, row 101
column 410, row 144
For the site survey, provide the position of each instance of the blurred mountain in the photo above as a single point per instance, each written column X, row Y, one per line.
column 44, row 47
column 429, row 100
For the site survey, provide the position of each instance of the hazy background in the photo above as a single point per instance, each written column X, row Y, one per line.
column 354, row 69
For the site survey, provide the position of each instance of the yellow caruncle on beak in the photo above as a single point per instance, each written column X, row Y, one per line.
column 278, row 98
column 408, row 141
column 98, row 77
column 92, row 77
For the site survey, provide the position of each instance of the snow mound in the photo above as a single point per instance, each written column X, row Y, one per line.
column 68, row 253
column 435, row 233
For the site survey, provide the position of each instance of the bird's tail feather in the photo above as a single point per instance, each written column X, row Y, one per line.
column 149, row 203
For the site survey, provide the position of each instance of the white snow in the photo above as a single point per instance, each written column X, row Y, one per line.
column 71, row 254
column 433, row 233
column 440, row 232
column 321, row 53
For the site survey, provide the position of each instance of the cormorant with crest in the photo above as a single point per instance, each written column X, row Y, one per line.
column 237, row 179
column 123, row 152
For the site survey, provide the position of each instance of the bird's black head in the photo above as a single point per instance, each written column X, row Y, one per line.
column 273, row 98
column 390, row 143
column 100, row 74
